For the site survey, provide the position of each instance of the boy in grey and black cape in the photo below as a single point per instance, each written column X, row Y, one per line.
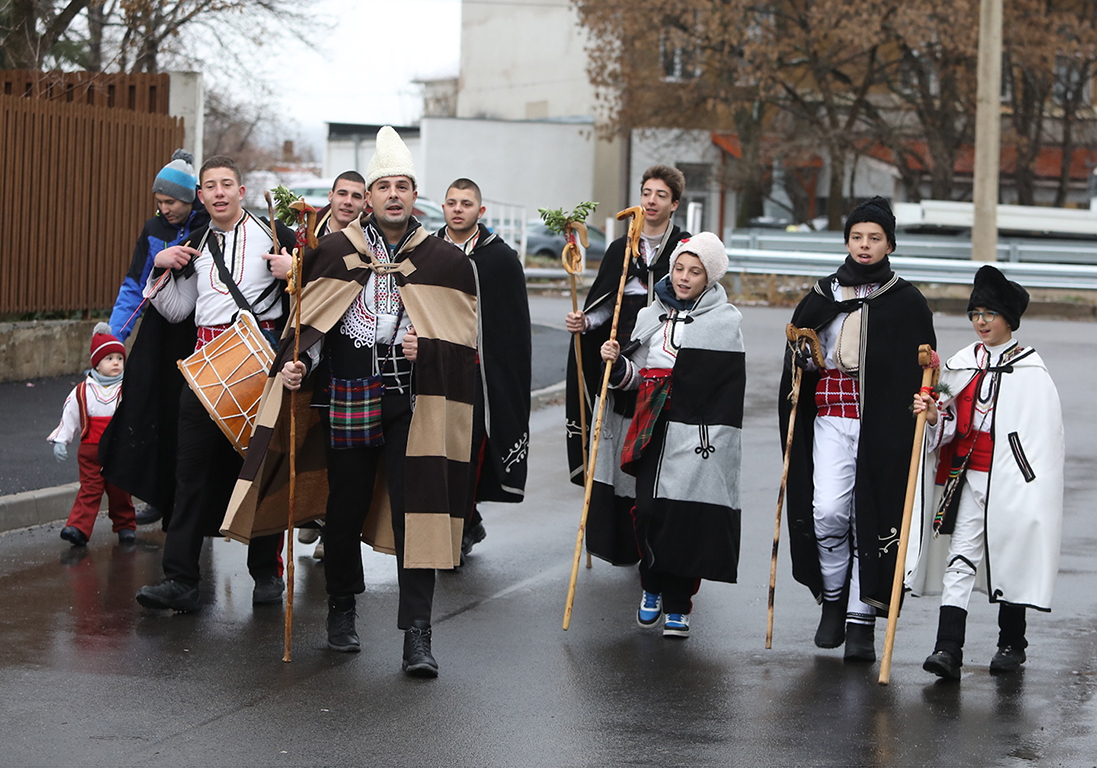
column 687, row 363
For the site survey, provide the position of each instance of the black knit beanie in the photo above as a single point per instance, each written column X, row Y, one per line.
column 994, row 292
column 876, row 211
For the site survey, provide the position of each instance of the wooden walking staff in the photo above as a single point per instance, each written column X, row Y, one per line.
column 796, row 337
column 632, row 248
column 931, row 368
column 573, row 265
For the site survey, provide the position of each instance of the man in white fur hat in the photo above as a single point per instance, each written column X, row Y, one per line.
column 388, row 356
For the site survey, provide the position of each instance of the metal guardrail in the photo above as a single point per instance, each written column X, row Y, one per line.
column 1082, row 277
column 930, row 246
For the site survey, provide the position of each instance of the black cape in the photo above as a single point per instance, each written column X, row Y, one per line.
column 604, row 289
column 898, row 321
column 505, row 350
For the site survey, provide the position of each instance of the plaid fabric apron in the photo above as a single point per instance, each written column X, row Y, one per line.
column 651, row 398
column 355, row 412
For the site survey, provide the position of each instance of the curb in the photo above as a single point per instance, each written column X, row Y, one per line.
column 46, row 505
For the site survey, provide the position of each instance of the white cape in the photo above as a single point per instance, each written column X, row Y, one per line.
column 1024, row 514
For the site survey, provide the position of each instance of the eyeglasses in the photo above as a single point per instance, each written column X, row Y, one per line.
column 986, row 317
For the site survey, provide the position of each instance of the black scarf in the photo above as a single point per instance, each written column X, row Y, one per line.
column 853, row 272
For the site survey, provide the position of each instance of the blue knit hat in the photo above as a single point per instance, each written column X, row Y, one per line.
column 177, row 179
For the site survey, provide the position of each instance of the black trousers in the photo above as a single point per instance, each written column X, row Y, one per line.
column 351, row 476
column 206, row 470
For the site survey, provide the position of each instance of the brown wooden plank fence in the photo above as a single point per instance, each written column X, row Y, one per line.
column 139, row 92
column 75, row 188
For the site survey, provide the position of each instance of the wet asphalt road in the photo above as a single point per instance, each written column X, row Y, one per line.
column 89, row 678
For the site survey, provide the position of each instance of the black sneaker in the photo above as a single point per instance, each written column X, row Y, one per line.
column 169, row 595
column 268, row 590
column 127, row 536
column 943, row 664
column 832, row 624
column 75, row 535
column 148, row 514
column 418, row 661
column 1008, row 659
column 342, row 635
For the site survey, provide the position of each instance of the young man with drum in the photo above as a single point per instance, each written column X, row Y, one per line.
column 388, row 352
column 217, row 273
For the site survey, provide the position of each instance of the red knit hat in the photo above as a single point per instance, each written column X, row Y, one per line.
column 104, row 343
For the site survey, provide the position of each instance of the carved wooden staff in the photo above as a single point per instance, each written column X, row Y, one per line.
column 291, row 288
column 632, row 248
column 573, row 265
column 930, row 363
column 796, row 337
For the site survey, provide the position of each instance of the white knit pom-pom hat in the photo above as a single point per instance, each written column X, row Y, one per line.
column 391, row 158
column 709, row 249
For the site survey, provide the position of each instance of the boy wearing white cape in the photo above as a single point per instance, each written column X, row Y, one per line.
column 996, row 517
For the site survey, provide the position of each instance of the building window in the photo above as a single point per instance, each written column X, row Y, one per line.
column 678, row 57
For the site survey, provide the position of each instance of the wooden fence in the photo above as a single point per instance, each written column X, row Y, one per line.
column 75, row 188
column 138, row 92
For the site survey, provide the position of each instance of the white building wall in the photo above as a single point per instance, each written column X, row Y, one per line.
column 530, row 163
column 522, row 60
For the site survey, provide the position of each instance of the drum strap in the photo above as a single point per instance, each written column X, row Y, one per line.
column 226, row 278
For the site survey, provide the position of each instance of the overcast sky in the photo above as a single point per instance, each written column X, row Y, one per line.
column 362, row 71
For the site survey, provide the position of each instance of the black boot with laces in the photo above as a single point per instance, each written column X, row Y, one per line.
column 418, row 661
column 342, row 635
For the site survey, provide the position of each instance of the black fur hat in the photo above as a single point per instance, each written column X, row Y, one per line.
column 878, row 211
column 993, row 291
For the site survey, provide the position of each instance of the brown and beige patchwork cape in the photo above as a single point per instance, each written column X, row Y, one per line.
column 438, row 288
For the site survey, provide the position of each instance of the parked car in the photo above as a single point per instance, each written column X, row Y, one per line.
column 540, row 241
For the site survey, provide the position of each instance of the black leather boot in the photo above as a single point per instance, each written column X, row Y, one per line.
column 1011, row 639
column 418, row 661
column 832, row 624
column 860, row 642
column 948, row 653
column 342, row 635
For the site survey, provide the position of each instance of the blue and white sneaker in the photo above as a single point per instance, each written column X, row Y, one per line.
column 676, row 625
column 651, row 608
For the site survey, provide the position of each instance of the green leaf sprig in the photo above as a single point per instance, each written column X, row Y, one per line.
column 557, row 221
column 283, row 199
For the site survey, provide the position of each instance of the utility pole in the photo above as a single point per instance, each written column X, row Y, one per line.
column 988, row 128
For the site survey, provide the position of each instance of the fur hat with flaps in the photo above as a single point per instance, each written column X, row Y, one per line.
column 993, row 291
column 103, row 343
column 878, row 211
column 391, row 158
column 709, row 249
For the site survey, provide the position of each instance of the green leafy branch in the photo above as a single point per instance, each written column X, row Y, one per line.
column 557, row 221
column 284, row 197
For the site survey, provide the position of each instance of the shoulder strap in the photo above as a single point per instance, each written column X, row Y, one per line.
column 225, row 275
column 226, row 278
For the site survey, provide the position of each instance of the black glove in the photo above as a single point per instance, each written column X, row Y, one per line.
column 801, row 355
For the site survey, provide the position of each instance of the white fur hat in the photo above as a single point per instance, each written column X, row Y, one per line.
column 709, row 249
column 391, row 158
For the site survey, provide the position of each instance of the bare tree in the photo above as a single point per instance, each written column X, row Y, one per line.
column 29, row 29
